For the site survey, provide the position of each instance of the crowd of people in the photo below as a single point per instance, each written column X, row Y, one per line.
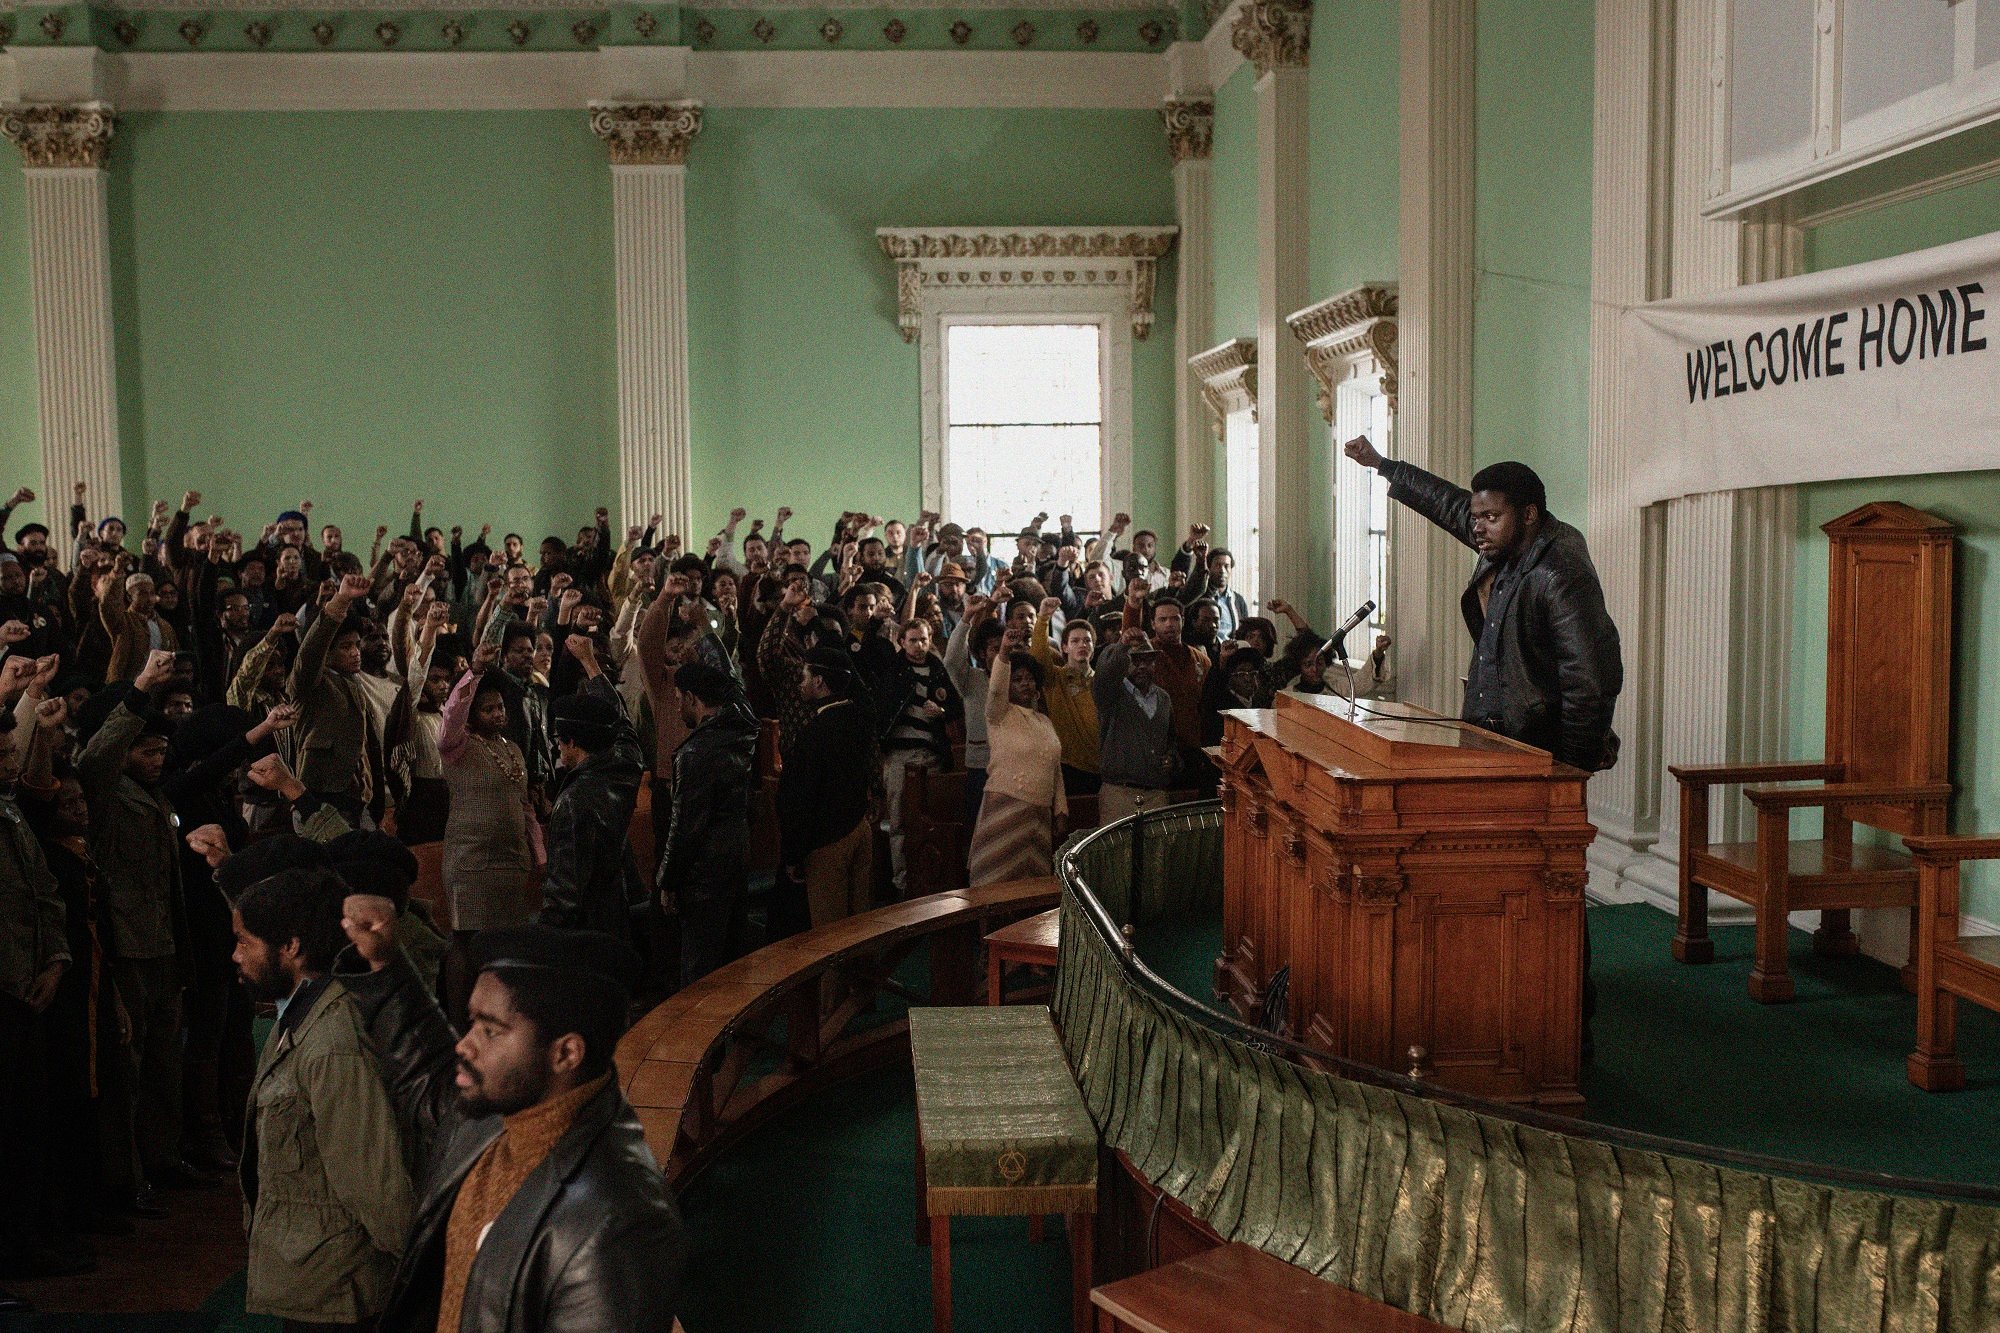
column 220, row 753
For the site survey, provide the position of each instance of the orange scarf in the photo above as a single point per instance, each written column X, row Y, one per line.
column 526, row 1141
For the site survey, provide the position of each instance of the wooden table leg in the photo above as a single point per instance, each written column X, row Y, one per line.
column 941, row 1274
column 1691, row 941
column 923, row 1192
column 1082, row 1241
column 1770, row 975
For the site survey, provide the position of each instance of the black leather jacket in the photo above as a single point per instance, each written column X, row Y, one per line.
column 590, row 883
column 592, row 1241
column 714, row 772
column 1555, row 668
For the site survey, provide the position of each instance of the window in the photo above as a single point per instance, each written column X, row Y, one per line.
column 1239, row 442
column 1378, row 531
column 1024, row 423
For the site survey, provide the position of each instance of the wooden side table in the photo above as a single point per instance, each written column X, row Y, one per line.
column 1032, row 942
column 1237, row 1289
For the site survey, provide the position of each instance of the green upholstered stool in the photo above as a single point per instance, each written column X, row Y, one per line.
column 1001, row 1130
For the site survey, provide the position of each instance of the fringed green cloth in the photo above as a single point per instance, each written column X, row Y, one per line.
column 1000, row 1124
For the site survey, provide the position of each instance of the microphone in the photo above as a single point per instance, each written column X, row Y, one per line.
column 1337, row 645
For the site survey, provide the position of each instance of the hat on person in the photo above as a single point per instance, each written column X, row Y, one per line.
column 27, row 530
column 580, row 954
column 373, row 862
column 1144, row 647
column 9, row 558
column 585, row 720
column 292, row 516
column 950, row 530
column 952, row 572
column 711, row 685
column 267, row 857
column 108, row 520
column 830, row 664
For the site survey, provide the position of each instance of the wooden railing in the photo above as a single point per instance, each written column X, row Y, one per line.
column 714, row 1061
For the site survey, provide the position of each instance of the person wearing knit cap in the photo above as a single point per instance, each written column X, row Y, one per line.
column 325, row 1183
column 537, row 1167
column 590, row 882
column 704, row 870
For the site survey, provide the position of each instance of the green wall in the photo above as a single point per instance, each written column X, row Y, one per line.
column 803, row 391
column 1233, row 213
column 20, row 442
column 1969, row 499
column 365, row 308
column 1353, row 183
column 1355, row 174
column 1531, row 312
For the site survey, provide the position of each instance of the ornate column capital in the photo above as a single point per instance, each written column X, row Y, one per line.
column 1273, row 33
column 1190, row 125
column 1356, row 325
column 72, row 135
column 646, row 134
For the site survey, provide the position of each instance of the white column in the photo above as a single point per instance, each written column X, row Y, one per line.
column 69, row 248
column 649, row 146
column 1725, row 565
column 1190, row 121
column 1630, row 221
column 1429, row 568
column 1273, row 35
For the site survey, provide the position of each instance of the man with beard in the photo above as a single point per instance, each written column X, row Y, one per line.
column 324, row 1182
column 536, row 1166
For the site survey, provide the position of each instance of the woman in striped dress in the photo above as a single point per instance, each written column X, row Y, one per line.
column 1024, row 801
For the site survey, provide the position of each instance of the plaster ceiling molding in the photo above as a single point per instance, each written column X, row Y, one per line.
column 1228, row 376
column 1349, row 336
column 1273, row 33
column 467, row 6
column 994, row 259
column 646, row 134
column 78, row 135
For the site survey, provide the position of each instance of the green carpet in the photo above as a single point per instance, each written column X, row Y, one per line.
column 1683, row 1051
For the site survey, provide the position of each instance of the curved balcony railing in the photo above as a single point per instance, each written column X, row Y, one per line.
column 1475, row 1214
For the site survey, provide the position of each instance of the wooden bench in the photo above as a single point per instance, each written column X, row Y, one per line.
column 1001, row 1132
column 683, row 1064
column 1034, row 942
column 1949, row 967
column 1237, row 1289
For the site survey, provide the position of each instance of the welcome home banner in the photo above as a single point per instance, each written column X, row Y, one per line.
column 1880, row 369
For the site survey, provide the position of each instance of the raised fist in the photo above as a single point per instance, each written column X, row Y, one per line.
column 738, row 514
column 21, row 497
column 1363, row 451
column 285, row 624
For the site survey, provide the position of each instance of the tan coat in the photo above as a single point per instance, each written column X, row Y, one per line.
column 330, row 1206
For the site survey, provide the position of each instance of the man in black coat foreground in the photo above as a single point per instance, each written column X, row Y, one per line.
column 705, row 873
column 1546, row 668
column 542, row 1210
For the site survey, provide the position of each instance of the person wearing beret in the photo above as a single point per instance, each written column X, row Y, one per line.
column 535, row 1165
column 705, row 873
column 590, row 876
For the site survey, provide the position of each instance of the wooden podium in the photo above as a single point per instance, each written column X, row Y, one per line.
column 1423, row 881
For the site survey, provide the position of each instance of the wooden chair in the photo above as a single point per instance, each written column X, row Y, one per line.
column 1888, row 742
column 1949, row 968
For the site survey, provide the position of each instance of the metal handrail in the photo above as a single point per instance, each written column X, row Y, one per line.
column 1229, row 1026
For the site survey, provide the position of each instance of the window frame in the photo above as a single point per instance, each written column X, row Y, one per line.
column 937, row 404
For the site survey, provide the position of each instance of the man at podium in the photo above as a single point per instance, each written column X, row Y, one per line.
column 1546, row 668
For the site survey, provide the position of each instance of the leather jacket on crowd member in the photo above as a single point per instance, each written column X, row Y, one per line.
column 1546, row 666
column 590, row 881
column 590, row 1241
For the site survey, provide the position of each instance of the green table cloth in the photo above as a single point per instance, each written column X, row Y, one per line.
column 1001, row 1127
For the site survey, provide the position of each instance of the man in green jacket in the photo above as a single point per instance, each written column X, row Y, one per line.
column 326, row 1194
column 136, row 845
column 333, row 759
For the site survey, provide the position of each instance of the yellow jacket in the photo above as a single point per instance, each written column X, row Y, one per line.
column 1072, row 707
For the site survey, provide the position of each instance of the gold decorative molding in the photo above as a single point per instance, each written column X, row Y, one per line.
column 1190, row 128
column 77, row 135
column 1337, row 331
column 1228, row 376
column 646, row 134
column 1273, row 33
column 928, row 258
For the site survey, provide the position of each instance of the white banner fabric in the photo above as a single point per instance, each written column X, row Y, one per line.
column 1882, row 369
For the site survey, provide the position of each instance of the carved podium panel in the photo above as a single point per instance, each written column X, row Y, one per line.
column 1422, row 879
